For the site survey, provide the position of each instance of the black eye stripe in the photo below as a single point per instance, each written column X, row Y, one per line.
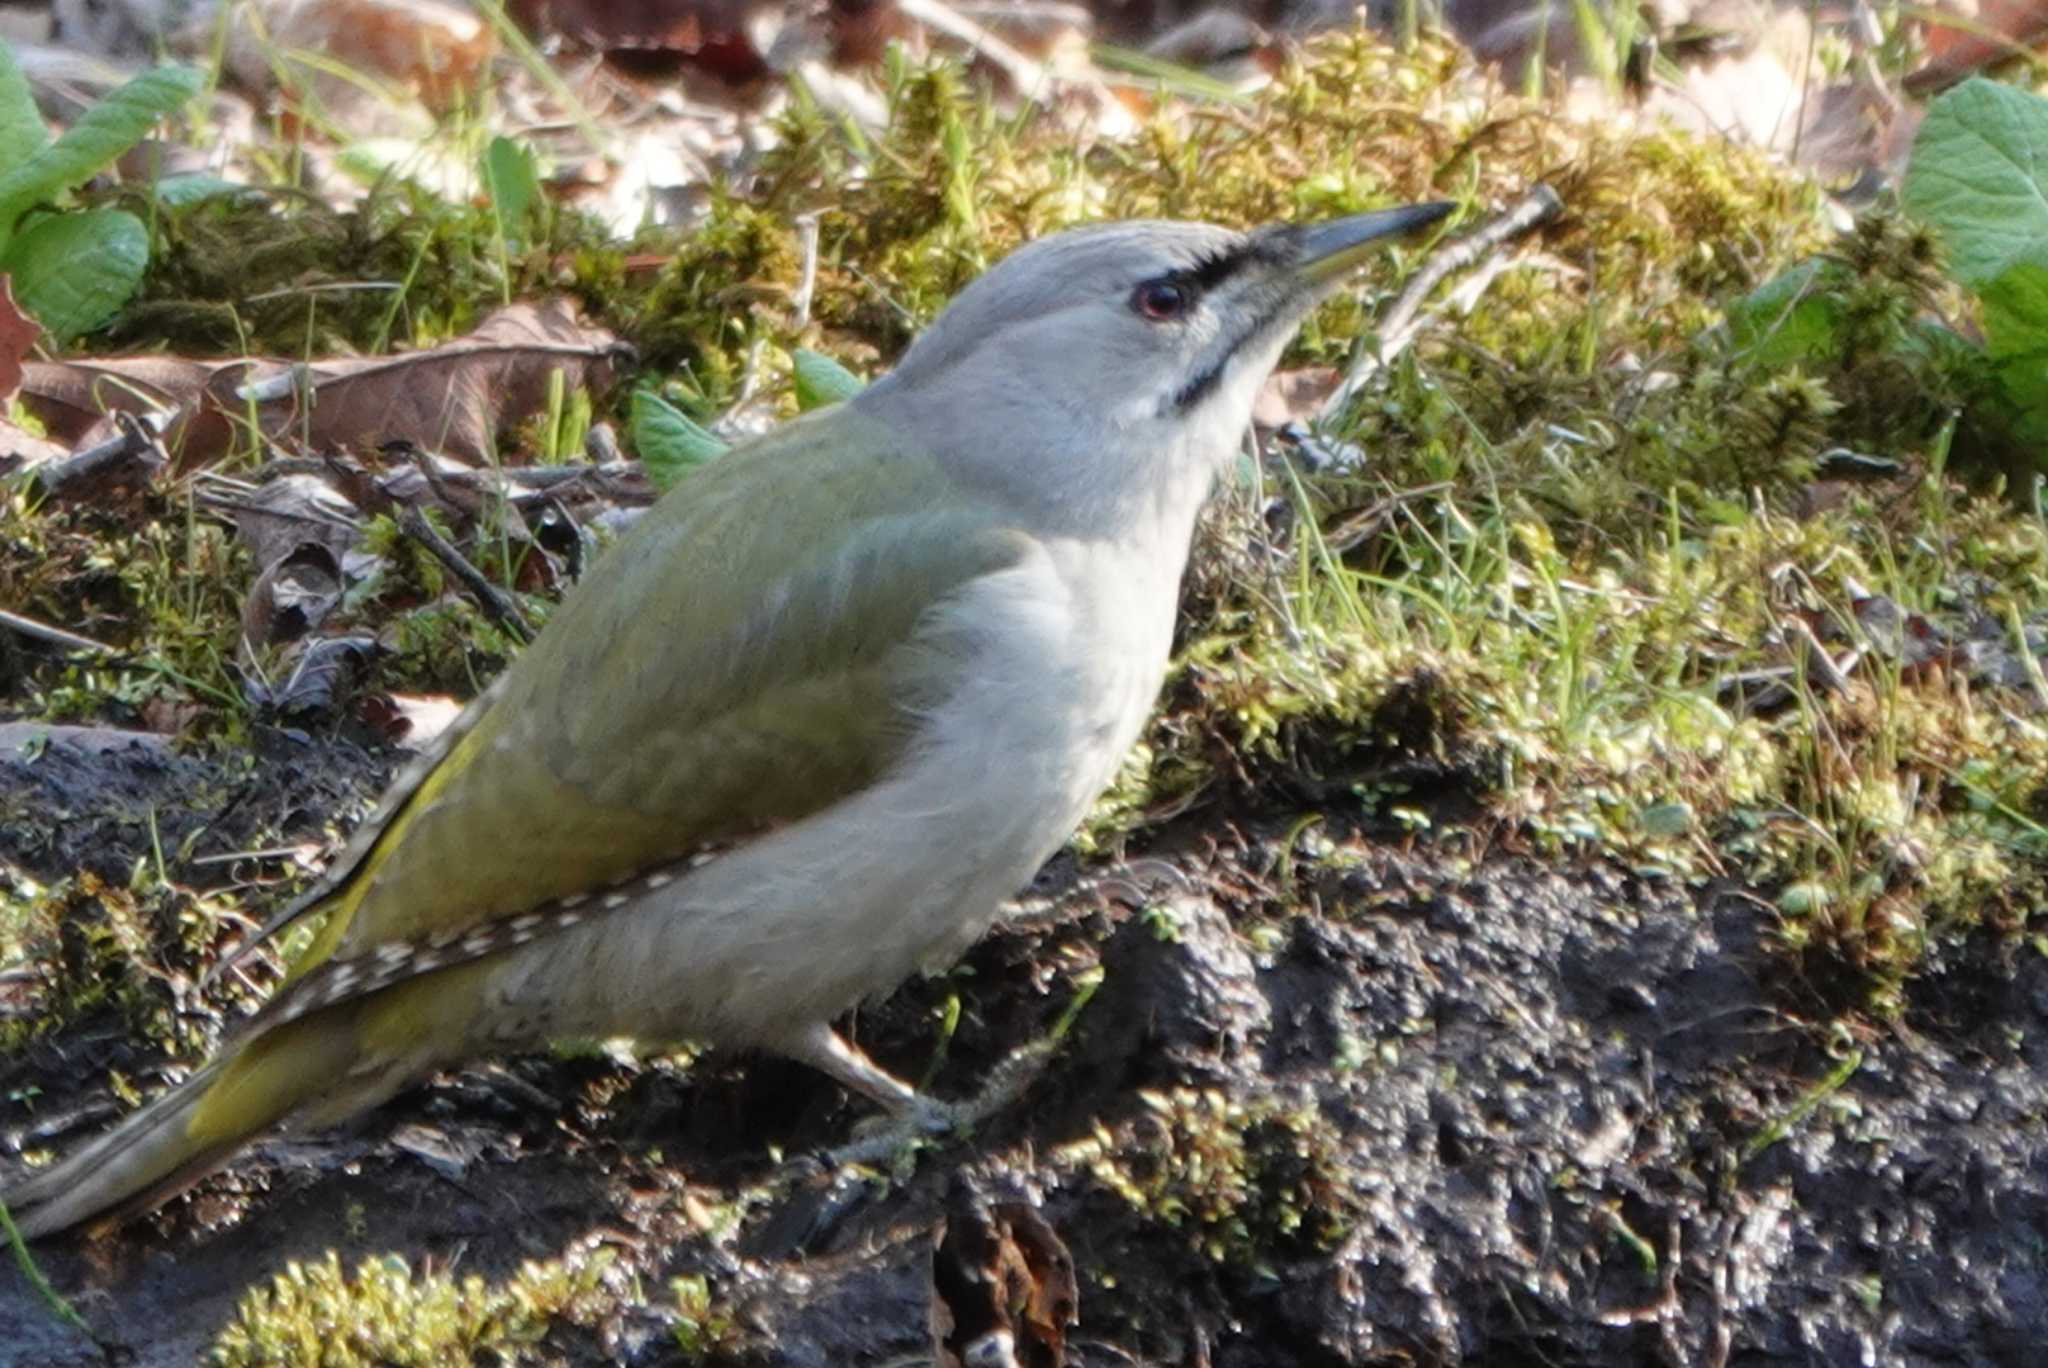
column 1212, row 270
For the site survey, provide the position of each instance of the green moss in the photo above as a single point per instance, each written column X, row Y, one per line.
column 387, row 1313
column 1245, row 1181
column 705, row 1329
column 116, row 951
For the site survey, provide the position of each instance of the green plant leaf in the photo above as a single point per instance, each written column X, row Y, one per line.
column 671, row 444
column 1790, row 318
column 101, row 134
column 820, row 380
column 196, row 187
column 72, row 271
column 2016, row 306
column 512, row 179
column 22, row 132
column 2016, row 338
column 1979, row 176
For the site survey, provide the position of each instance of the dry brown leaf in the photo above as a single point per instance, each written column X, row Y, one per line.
column 1000, row 1275
column 657, row 40
column 317, row 673
column 1294, row 396
column 293, row 596
column 1954, row 52
column 18, row 333
column 410, row 720
column 170, row 716
column 73, row 398
column 437, row 52
column 276, row 517
column 453, row 398
column 20, row 450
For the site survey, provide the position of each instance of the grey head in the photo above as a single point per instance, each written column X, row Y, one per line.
column 1115, row 366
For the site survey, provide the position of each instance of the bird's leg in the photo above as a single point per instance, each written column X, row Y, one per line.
column 913, row 1116
column 825, row 1050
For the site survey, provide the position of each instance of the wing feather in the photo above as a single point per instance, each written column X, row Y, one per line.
column 742, row 658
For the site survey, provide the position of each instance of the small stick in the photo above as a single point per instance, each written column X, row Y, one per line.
column 1400, row 325
column 56, row 636
column 807, row 283
column 494, row 600
column 106, row 462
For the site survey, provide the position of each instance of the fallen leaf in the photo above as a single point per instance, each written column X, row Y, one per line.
column 1997, row 30
column 322, row 670
column 293, row 596
column 1294, row 396
column 656, row 39
column 73, row 398
column 19, row 449
column 170, row 716
column 433, row 51
column 1000, row 1277
column 18, row 333
column 453, row 398
column 410, row 720
column 284, row 513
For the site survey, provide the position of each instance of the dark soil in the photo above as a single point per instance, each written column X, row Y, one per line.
column 1572, row 1117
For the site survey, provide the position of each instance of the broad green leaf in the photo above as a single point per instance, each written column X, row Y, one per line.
column 72, row 271
column 2016, row 337
column 2016, row 306
column 196, row 187
column 118, row 122
column 22, row 132
column 512, row 179
column 1788, row 319
column 820, row 381
column 1666, row 819
column 1979, row 176
column 670, row 443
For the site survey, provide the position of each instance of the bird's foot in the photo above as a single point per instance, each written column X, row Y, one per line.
column 915, row 1121
column 893, row 1140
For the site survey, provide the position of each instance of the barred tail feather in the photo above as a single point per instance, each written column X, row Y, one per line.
column 190, row 1131
column 143, row 1160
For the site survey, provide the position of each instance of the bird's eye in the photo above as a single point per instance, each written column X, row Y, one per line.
column 1162, row 301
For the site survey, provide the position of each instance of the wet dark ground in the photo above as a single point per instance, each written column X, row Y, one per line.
column 1554, row 1116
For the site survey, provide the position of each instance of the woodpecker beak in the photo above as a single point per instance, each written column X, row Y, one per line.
column 1328, row 250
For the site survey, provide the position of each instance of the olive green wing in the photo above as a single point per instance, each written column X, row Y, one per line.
column 739, row 660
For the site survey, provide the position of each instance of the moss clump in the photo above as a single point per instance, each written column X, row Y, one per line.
column 386, row 1313
column 154, row 581
column 701, row 313
column 120, row 951
column 269, row 271
column 705, row 1329
column 1247, row 1181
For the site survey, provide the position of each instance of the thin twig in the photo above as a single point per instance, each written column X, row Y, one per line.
column 106, row 462
column 494, row 600
column 807, row 283
column 56, row 636
column 1401, row 323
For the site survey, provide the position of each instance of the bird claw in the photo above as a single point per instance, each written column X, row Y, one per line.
column 918, row 1121
column 892, row 1139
